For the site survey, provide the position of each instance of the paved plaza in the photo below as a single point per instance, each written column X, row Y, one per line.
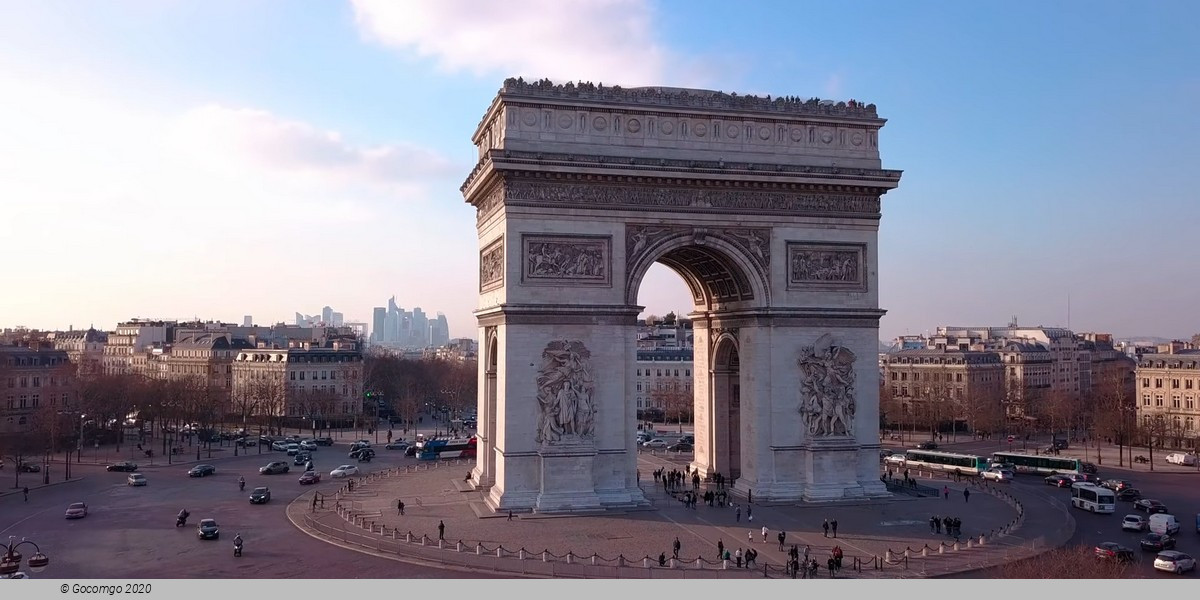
column 873, row 534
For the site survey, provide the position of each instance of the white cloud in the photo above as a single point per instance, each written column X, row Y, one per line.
column 123, row 210
column 256, row 139
column 609, row 41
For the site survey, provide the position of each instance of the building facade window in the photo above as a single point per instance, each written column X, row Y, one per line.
column 1158, row 400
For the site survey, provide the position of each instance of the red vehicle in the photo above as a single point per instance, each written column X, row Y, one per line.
column 310, row 477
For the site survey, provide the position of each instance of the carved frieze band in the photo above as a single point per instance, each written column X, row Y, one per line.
column 827, row 266
column 590, row 195
column 566, row 260
column 491, row 266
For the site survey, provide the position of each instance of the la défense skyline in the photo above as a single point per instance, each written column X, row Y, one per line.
column 163, row 163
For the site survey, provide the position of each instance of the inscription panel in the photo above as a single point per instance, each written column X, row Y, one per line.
column 827, row 266
column 566, row 260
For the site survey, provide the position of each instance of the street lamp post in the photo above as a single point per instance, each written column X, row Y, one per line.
column 10, row 561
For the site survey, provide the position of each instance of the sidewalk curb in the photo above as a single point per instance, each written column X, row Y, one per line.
column 43, row 486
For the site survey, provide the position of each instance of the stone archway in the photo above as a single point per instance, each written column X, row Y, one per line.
column 769, row 211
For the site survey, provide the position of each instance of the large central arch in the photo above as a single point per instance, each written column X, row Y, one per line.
column 768, row 209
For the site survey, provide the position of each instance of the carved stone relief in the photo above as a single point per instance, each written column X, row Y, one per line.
column 827, row 266
column 641, row 238
column 756, row 243
column 567, row 259
column 827, row 388
column 566, row 385
column 590, row 194
column 491, row 266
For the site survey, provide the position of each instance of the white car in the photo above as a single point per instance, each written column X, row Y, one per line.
column 308, row 445
column 279, row 446
column 136, row 479
column 344, row 471
column 997, row 475
column 1134, row 523
column 1174, row 561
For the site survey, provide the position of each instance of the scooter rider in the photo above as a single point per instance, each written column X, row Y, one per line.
column 237, row 545
column 182, row 518
column 241, row 483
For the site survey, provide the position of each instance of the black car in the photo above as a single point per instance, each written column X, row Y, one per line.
column 1114, row 551
column 1150, row 506
column 302, row 458
column 28, row 468
column 324, row 441
column 1157, row 541
column 274, row 468
column 362, row 453
column 123, row 466
column 927, row 445
column 679, row 447
column 1058, row 481
column 396, row 445
column 1129, row 494
column 207, row 529
column 1116, row 485
column 201, row 471
column 260, row 495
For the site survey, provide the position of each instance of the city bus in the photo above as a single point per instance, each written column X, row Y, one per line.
column 1047, row 465
column 967, row 464
column 433, row 449
column 1092, row 498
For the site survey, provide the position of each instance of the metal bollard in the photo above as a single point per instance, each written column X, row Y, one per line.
column 545, row 556
column 699, row 564
column 521, row 554
column 981, row 540
column 724, row 564
column 925, row 551
column 646, row 562
column 459, row 547
column 888, row 556
column 941, row 548
column 408, row 537
column 969, row 542
column 593, row 560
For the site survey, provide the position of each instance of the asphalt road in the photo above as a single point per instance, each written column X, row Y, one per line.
column 130, row 531
column 1180, row 492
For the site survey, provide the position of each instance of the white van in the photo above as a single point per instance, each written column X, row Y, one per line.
column 1180, row 458
column 1164, row 524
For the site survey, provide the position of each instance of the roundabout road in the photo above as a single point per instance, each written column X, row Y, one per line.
column 130, row 531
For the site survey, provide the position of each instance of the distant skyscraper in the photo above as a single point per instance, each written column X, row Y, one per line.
column 301, row 321
column 248, row 321
column 336, row 319
column 439, row 331
column 420, row 328
column 327, row 315
column 378, row 325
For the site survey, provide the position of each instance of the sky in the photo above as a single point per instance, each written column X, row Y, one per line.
column 171, row 159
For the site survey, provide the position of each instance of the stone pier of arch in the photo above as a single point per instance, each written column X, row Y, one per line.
column 767, row 208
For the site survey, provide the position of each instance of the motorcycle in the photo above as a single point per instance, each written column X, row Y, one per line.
column 237, row 547
column 241, row 484
column 181, row 520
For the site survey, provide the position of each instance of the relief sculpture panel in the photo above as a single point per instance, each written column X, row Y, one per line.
column 570, row 260
column 566, row 385
column 491, row 266
column 824, row 266
column 827, row 388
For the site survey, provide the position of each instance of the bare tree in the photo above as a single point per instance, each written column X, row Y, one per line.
column 1152, row 430
column 674, row 400
column 1073, row 562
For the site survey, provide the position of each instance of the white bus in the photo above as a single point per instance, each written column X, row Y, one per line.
column 1093, row 498
column 1030, row 463
column 966, row 464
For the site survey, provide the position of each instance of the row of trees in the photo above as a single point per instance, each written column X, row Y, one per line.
column 407, row 388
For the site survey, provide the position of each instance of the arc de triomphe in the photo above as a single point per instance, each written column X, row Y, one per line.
column 768, row 208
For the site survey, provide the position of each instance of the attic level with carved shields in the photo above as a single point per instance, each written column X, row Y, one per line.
column 767, row 207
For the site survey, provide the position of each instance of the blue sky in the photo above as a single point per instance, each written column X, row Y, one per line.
column 215, row 159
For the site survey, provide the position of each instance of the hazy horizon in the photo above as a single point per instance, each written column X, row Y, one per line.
column 179, row 160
